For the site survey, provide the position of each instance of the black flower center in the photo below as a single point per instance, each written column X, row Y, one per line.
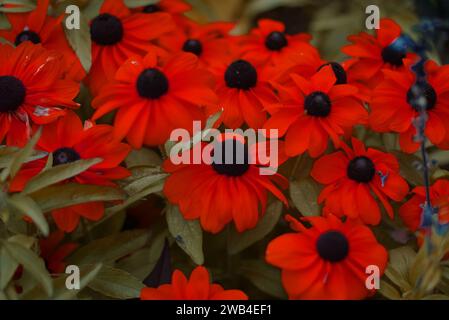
column 27, row 35
column 106, row 30
column 332, row 246
column 241, row 75
column 422, row 94
column 338, row 70
column 152, row 84
column 317, row 104
column 194, row 46
column 152, row 8
column 276, row 40
column 361, row 169
column 12, row 93
column 234, row 158
column 393, row 55
column 65, row 155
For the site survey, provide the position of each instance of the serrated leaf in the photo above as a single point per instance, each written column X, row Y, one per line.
column 304, row 194
column 59, row 173
column 81, row 43
column 31, row 263
column 187, row 233
column 68, row 194
column 238, row 241
column 265, row 277
column 110, row 248
column 116, row 283
column 27, row 207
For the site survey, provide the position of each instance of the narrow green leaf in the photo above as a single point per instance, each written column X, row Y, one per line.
column 81, row 43
column 72, row 193
column 304, row 194
column 187, row 233
column 116, row 283
column 31, row 263
column 110, row 248
column 143, row 157
column 8, row 266
column 27, row 207
column 24, row 154
column 59, row 173
column 238, row 241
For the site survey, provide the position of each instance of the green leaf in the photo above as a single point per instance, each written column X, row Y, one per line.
column 22, row 156
column 265, row 277
column 81, row 43
column 187, row 233
column 388, row 291
column 142, row 261
column 8, row 266
column 143, row 157
column 65, row 195
column 116, row 283
column 139, row 3
column 87, row 274
column 110, row 248
column 238, row 241
column 147, row 181
column 304, row 194
column 408, row 170
column 59, row 173
column 400, row 262
column 27, row 207
column 31, row 263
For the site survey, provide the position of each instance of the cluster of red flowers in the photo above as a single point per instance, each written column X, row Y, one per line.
column 158, row 71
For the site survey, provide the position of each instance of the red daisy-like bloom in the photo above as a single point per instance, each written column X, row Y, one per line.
column 37, row 27
column 197, row 287
column 218, row 193
column 244, row 91
column 327, row 261
column 53, row 251
column 269, row 43
column 411, row 211
column 353, row 177
column 209, row 42
column 33, row 89
column 118, row 34
column 68, row 141
column 374, row 53
column 398, row 90
column 314, row 110
column 153, row 97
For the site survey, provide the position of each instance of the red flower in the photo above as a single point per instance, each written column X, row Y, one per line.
column 37, row 27
column 32, row 90
column 353, row 177
column 117, row 34
column 328, row 260
column 219, row 193
column 374, row 53
column 314, row 110
column 154, row 97
column 411, row 211
column 209, row 42
column 244, row 92
column 53, row 251
column 197, row 287
column 396, row 90
column 269, row 43
column 68, row 141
